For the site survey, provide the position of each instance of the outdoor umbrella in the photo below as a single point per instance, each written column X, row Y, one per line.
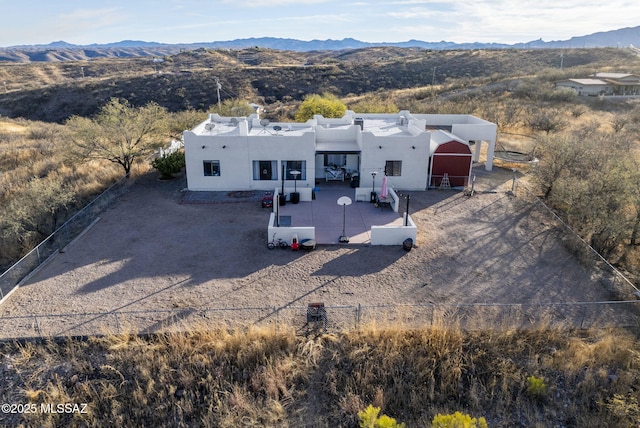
column 383, row 190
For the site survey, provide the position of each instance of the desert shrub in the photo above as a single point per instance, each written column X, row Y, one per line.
column 560, row 95
column 546, row 119
column 369, row 419
column 458, row 420
column 374, row 104
column 536, row 388
column 578, row 110
column 232, row 107
column 169, row 164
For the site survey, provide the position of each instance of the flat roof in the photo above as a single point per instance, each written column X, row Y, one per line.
column 380, row 125
column 383, row 127
column 216, row 128
column 281, row 129
column 588, row 82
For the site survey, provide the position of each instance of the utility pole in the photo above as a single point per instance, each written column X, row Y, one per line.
column 82, row 71
column 218, row 87
column 561, row 61
column 433, row 76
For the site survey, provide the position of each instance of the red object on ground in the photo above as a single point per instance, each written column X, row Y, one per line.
column 267, row 200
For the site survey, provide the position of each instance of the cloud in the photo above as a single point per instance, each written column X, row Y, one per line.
column 276, row 3
column 86, row 20
column 508, row 21
column 503, row 21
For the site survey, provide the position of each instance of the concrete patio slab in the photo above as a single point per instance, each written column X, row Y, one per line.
column 328, row 217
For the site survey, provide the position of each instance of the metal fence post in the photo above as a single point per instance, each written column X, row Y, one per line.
column 277, row 312
column 358, row 315
column 35, row 319
column 115, row 315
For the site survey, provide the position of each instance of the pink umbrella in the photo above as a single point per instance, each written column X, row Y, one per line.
column 383, row 190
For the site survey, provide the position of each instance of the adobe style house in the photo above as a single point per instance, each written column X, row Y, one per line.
column 620, row 84
column 414, row 151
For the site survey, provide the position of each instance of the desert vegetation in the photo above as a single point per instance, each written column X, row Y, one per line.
column 39, row 186
column 417, row 377
column 587, row 172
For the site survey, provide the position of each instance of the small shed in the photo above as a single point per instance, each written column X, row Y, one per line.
column 452, row 156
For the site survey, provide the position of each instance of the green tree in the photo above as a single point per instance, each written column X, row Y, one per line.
column 119, row 133
column 184, row 120
column 327, row 105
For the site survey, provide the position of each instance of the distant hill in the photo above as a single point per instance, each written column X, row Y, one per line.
column 63, row 51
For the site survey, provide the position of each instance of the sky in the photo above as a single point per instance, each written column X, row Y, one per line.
column 26, row 22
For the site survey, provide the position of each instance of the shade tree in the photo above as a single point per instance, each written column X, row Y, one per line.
column 119, row 133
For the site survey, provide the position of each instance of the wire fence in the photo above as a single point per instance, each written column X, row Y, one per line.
column 60, row 238
column 623, row 312
column 591, row 315
column 615, row 281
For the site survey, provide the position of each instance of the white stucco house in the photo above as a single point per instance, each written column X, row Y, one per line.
column 414, row 151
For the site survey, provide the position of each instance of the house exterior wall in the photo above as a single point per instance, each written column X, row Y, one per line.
column 376, row 151
column 236, row 144
column 582, row 89
column 237, row 156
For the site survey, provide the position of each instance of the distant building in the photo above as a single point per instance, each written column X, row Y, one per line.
column 414, row 151
column 604, row 84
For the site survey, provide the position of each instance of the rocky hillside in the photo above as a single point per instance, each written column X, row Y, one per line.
column 53, row 91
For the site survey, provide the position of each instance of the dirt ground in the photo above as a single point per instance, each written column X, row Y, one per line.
column 150, row 252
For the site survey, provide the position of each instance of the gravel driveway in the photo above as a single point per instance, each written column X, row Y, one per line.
column 158, row 259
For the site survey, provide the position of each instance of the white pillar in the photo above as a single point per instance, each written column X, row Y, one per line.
column 476, row 151
column 490, row 152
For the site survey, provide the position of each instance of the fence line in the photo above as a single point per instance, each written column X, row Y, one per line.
column 60, row 238
column 579, row 246
column 623, row 313
column 579, row 315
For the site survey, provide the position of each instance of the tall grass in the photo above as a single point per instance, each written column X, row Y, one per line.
column 257, row 377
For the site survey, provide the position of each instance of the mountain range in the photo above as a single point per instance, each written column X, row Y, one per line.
column 63, row 51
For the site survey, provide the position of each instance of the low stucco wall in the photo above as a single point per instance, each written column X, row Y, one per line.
column 393, row 235
column 286, row 233
column 363, row 194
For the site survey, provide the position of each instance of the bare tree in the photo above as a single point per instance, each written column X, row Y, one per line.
column 590, row 180
column 547, row 120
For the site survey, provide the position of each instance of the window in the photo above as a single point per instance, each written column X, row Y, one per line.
column 393, row 168
column 335, row 160
column 295, row 166
column 211, row 168
column 265, row 170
